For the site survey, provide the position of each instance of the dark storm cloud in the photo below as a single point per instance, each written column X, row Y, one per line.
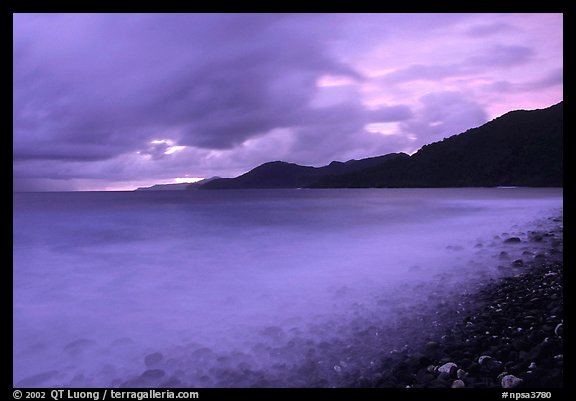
column 210, row 81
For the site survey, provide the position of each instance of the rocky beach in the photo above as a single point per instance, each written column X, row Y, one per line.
column 507, row 334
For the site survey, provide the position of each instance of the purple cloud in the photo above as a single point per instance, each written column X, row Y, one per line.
column 118, row 98
column 489, row 29
column 503, row 55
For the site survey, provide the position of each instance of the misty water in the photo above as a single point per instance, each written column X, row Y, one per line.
column 282, row 288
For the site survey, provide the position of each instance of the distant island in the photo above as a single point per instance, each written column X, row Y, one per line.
column 520, row 148
column 177, row 187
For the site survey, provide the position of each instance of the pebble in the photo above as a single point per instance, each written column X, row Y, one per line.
column 484, row 359
column 511, row 381
column 458, row 384
column 510, row 334
column 153, row 374
column 78, row 346
column 153, row 359
column 447, row 367
column 559, row 330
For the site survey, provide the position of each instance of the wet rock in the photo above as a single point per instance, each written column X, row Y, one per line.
column 501, row 375
column 484, row 359
column 153, row 359
column 490, row 364
column 511, row 381
column 559, row 330
column 449, row 368
column 153, row 374
column 458, row 384
column 536, row 238
column 424, row 378
column 79, row 346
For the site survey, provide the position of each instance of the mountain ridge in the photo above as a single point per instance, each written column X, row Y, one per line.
column 518, row 148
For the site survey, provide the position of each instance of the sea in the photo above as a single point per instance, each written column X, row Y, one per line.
column 249, row 288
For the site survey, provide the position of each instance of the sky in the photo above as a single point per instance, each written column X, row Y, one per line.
column 119, row 101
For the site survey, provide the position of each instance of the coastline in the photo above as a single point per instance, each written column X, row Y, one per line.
column 507, row 334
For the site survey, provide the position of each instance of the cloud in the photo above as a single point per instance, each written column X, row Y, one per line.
column 443, row 114
column 424, row 72
column 551, row 79
column 217, row 80
column 494, row 56
column 491, row 29
column 502, row 55
column 133, row 96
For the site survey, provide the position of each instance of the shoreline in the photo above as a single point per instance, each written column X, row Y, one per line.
column 507, row 334
column 447, row 338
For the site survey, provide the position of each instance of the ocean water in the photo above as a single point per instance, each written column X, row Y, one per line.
column 282, row 288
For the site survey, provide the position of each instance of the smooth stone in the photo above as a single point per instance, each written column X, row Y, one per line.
column 512, row 240
column 484, row 359
column 153, row 374
column 461, row 374
column 458, row 384
column 79, row 345
column 501, row 375
column 559, row 330
column 447, row 367
column 153, row 359
column 518, row 263
column 511, row 381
